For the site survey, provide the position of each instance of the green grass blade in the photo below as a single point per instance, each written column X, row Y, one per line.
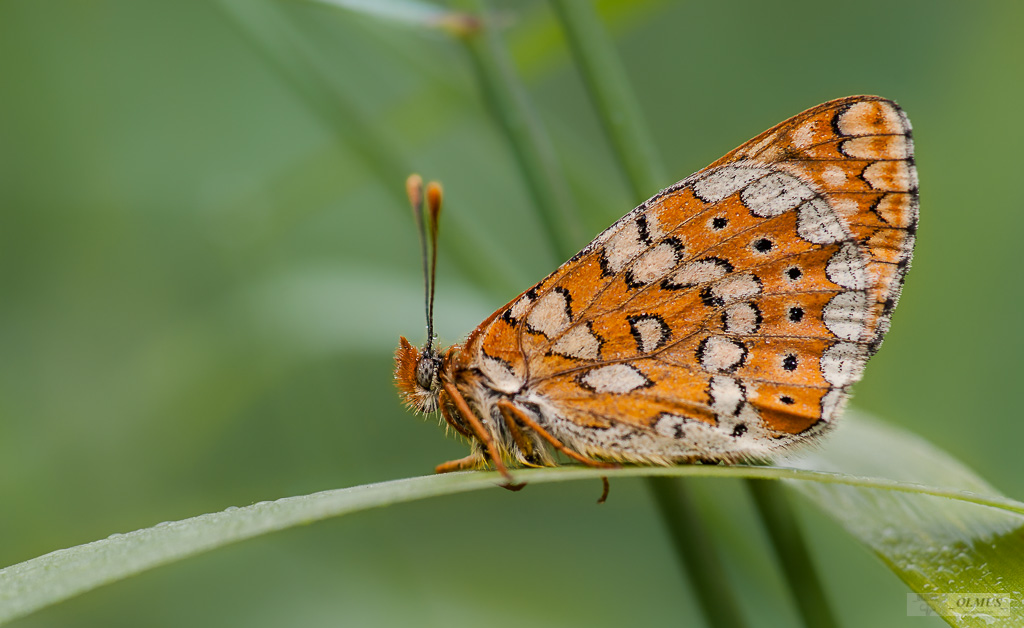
column 953, row 536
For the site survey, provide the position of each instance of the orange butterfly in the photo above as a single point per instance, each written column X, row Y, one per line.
column 723, row 320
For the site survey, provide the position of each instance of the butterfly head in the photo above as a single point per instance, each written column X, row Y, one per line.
column 418, row 372
column 418, row 376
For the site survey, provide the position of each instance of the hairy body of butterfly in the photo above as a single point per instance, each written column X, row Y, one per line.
column 724, row 319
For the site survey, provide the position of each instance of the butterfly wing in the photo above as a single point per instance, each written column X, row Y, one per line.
column 728, row 316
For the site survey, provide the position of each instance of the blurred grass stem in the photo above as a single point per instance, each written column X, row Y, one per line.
column 695, row 551
column 534, row 155
column 266, row 26
column 791, row 553
column 612, row 96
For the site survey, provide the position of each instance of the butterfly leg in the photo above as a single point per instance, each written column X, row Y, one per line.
column 446, row 413
column 605, row 486
column 508, row 407
column 525, row 444
column 478, row 430
column 472, row 461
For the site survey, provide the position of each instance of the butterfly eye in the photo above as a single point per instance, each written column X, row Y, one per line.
column 426, row 370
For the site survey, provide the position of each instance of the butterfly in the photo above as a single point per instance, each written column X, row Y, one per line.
column 723, row 320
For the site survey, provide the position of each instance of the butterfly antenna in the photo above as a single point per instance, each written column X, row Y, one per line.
column 433, row 223
column 414, row 190
column 428, row 229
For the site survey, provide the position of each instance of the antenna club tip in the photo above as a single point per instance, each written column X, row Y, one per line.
column 434, row 194
column 414, row 190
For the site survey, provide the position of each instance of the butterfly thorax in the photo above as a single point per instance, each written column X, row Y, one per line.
column 421, row 376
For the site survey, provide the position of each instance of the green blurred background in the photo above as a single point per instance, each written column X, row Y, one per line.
column 205, row 263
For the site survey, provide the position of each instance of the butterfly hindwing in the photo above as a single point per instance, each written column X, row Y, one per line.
column 727, row 316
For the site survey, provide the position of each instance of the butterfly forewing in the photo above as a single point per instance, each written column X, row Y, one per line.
column 728, row 316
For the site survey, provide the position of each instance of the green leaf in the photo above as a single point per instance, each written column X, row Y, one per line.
column 950, row 551
column 935, row 523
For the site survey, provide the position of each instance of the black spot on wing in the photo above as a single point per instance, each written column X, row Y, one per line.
column 789, row 362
